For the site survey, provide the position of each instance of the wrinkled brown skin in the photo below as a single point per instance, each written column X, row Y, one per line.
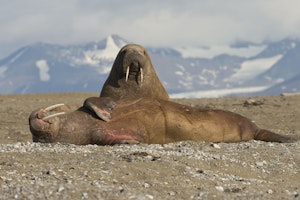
column 136, row 57
column 149, row 121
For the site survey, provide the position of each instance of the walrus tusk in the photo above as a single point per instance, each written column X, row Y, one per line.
column 127, row 73
column 142, row 76
column 54, row 106
column 53, row 115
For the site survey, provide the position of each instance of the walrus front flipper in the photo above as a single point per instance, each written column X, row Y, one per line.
column 101, row 106
column 268, row 136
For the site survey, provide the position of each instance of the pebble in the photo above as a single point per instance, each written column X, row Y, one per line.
column 149, row 196
column 270, row 191
column 60, row 189
column 260, row 164
column 216, row 146
column 220, row 188
column 146, row 185
column 199, row 160
column 85, row 195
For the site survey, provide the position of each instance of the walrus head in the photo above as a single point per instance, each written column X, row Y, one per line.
column 133, row 75
column 132, row 64
column 48, row 125
column 134, row 60
column 42, row 127
column 80, row 126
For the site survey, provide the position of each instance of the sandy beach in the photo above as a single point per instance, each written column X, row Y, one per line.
column 183, row 170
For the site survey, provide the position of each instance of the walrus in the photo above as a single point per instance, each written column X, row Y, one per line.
column 144, row 120
column 133, row 75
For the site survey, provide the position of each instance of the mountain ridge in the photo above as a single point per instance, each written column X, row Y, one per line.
column 44, row 67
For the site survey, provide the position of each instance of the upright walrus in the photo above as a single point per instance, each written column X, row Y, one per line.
column 133, row 75
column 145, row 120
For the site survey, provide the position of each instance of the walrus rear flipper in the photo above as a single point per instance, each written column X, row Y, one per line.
column 268, row 136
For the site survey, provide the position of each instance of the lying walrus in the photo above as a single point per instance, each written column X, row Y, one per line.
column 133, row 75
column 145, row 120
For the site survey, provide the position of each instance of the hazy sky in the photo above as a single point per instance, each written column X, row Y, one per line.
column 147, row 22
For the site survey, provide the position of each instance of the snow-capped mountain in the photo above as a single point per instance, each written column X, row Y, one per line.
column 43, row 67
column 184, row 71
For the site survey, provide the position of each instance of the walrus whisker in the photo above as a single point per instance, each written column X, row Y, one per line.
column 54, row 106
column 142, row 76
column 127, row 73
column 53, row 115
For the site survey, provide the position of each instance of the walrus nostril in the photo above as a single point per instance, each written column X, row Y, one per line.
column 36, row 116
column 135, row 63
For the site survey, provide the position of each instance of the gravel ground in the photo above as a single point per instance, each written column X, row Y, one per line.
column 183, row 170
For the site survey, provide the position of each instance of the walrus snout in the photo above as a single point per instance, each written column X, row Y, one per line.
column 38, row 126
column 133, row 64
column 41, row 120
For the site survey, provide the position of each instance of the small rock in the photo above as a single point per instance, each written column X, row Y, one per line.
column 216, row 146
column 149, row 196
column 84, row 195
column 50, row 172
column 252, row 102
column 294, row 194
column 260, row 164
column 121, row 189
column 270, row 191
column 60, row 189
column 17, row 145
column 146, row 185
column 220, row 188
